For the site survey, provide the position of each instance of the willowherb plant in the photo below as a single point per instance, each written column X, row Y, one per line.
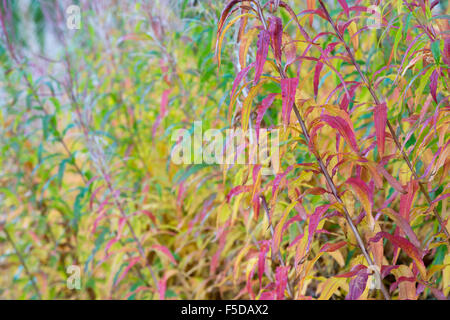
column 363, row 114
column 357, row 90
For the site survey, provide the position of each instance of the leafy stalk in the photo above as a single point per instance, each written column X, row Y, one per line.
column 328, row 178
column 388, row 123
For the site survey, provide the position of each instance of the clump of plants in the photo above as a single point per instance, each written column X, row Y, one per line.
column 358, row 91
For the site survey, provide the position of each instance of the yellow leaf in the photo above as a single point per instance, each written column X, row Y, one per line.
column 330, row 287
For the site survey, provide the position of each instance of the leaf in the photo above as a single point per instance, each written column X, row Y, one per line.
column 344, row 6
column 264, row 248
column 314, row 220
column 131, row 264
column 265, row 104
column 413, row 252
column 364, row 195
column 247, row 105
column 357, row 285
column 276, row 35
column 288, row 88
column 241, row 75
column 165, row 251
column 343, row 128
column 392, row 181
column 221, row 34
column 406, row 200
column 318, row 69
column 380, row 120
column 330, row 287
column 281, row 278
column 404, row 226
column 435, row 49
column 261, row 53
column 433, row 84
column 162, row 110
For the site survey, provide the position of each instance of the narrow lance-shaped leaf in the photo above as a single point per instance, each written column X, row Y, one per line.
column 276, row 35
column 433, row 84
column 261, row 53
column 288, row 87
column 344, row 6
column 380, row 119
column 406, row 246
column 344, row 129
column 265, row 104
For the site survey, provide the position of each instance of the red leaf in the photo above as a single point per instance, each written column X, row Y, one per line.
column 344, row 129
column 319, row 67
column 407, row 199
column 276, row 34
column 352, row 272
column 331, row 247
column 261, row 53
column 380, row 119
column 288, row 87
column 413, row 252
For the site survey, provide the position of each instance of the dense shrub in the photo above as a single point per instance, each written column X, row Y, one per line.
column 357, row 210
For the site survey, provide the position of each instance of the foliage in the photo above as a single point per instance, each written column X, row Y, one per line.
column 358, row 209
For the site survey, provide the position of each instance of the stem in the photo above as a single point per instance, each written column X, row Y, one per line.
column 389, row 125
column 22, row 261
column 330, row 180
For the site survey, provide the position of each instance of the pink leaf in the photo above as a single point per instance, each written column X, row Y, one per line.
column 163, row 110
column 281, row 278
column 380, row 119
column 265, row 104
column 412, row 251
column 162, row 287
column 261, row 53
column 165, row 251
column 241, row 75
column 288, row 87
column 433, row 84
column 314, row 222
column 344, row 6
column 278, row 178
column 262, row 259
column 132, row 262
column 237, row 190
column 357, row 285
